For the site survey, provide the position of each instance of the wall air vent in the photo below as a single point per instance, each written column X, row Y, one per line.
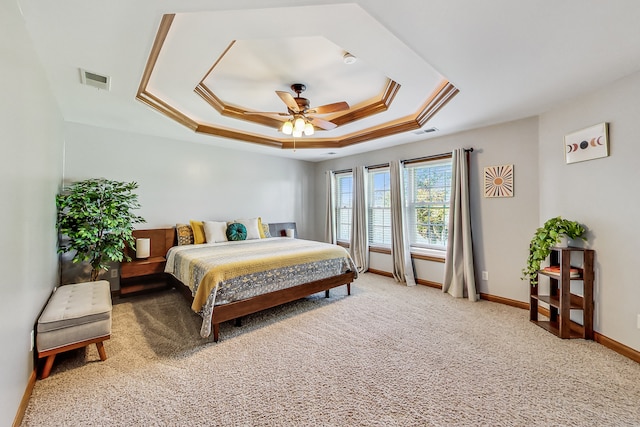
column 96, row 80
column 426, row 130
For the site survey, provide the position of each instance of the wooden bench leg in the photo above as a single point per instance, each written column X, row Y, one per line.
column 348, row 288
column 101, row 351
column 51, row 354
column 47, row 366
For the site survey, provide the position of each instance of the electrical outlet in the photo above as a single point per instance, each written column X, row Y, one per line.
column 638, row 321
column 485, row 275
column 114, row 273
column 32, row 339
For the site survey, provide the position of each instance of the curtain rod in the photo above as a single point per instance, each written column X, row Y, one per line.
column 417, row 159
column 434, row 156
column 343, row 171
column 381, row 165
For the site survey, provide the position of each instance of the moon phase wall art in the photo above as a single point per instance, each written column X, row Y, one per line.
column 498, row 181
column 587, row 144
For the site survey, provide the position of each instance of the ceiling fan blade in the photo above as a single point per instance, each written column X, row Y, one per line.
column 329, row 108
column 289, row 100
column 322, row 124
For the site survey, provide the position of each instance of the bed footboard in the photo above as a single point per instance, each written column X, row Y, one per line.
column 235, row 310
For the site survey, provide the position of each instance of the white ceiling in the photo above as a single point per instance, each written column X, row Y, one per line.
column 509, row 59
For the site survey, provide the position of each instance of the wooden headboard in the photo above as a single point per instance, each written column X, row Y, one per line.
column 162, row 239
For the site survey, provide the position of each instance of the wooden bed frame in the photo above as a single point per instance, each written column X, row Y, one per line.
column 161, row 241
column 237, row 309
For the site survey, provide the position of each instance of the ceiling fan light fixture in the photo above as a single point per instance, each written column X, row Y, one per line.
column 287, row 127
column 298, row 124
column 308, row 129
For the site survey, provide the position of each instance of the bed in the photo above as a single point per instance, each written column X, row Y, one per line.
column 228, row 280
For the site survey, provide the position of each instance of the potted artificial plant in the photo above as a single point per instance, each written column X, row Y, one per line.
column 96, row 217
column 546, row 237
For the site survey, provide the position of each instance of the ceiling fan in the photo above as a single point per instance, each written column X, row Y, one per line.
column 301, row 119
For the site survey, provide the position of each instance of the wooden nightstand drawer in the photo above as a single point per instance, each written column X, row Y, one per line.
column 137, row 268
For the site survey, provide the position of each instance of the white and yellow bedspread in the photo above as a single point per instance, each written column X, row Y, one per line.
column 220, row 273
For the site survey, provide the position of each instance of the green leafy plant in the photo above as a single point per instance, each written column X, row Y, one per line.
column 544, row 239
column 96, row 217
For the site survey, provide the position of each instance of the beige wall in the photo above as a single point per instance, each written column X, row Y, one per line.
column 30, row 175
column 602, row 194
column 502, row 228
column 180, row 180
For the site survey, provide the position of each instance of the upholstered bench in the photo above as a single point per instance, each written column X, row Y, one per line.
column 75, row 316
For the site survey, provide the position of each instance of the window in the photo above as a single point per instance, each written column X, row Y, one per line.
column 379, row 188
column 344, row 200
column 427, row 193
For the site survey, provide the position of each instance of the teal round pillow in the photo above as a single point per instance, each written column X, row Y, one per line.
column 236, row 231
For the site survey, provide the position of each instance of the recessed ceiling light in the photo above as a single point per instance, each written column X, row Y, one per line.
column 349, row 59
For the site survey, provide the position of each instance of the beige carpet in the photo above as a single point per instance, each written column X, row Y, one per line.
column 387, row 355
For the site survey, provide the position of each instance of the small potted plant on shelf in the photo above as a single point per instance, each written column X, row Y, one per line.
column 546, row 237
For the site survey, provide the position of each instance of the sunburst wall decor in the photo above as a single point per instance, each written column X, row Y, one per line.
column 498, row 181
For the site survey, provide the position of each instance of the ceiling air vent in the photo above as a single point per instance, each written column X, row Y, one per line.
column 423, row 131
column 96, row 80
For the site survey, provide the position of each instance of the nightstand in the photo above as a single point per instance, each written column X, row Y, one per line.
column 143, row 275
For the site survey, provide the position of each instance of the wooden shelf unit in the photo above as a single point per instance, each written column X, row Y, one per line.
column 560, row 300
column 142, row 275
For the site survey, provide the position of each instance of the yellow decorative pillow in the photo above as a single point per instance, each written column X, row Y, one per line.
column 198, row 232
column 261, row 228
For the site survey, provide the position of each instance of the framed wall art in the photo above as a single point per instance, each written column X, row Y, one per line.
column 498, row 181
column 587, row 144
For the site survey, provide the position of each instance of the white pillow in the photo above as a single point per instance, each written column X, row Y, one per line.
column 215, row 231
column 253, row 231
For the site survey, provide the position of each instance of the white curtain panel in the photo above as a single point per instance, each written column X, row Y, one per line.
column 330, row 225
column 400, row 245
column 359, row 245
column 459, row 277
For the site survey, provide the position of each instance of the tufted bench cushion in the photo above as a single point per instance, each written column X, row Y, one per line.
column 75, row 316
